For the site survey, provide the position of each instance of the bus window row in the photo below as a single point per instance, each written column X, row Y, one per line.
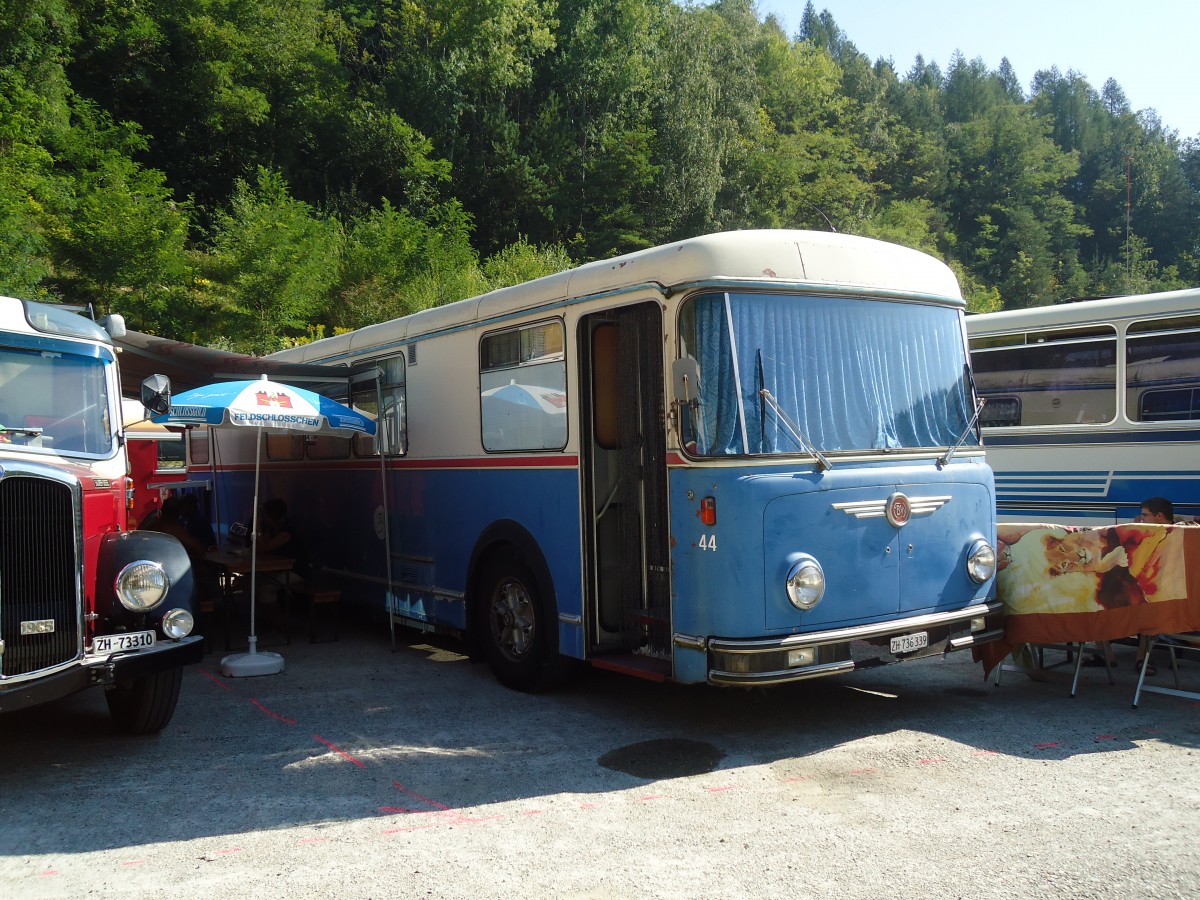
column 1069, row 376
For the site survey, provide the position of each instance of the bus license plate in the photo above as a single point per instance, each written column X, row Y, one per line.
column 134, row 640
column 907, row 643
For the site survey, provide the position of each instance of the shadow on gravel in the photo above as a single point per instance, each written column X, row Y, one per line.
column 352, row 730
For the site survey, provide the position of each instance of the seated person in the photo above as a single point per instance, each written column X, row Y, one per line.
column 1156, row 511
column 277, row 536
column 194, row 521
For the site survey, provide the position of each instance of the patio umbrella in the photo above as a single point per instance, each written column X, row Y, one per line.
column 266, row 406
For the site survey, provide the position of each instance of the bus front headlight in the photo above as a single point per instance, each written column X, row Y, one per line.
column 805, row 582
column 141, row 585
column 981, row 561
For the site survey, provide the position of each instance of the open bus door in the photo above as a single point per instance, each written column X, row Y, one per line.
column 625, row 521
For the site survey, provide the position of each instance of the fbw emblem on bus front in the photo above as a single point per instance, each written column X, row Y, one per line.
column 898, row 510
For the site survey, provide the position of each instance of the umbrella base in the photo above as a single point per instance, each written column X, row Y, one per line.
column 245, row 665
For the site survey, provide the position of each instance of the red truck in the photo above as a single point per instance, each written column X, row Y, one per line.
column 84, row 600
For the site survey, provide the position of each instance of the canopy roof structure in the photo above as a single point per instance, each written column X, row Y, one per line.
column 190, row 365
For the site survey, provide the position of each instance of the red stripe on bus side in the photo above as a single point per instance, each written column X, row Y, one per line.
column 565, row 461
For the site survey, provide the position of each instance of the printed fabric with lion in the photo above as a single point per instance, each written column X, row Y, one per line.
column 1061, row 584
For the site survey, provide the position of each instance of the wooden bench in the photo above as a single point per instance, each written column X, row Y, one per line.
column 318, row 594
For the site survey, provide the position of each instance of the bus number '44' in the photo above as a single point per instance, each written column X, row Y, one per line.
column 708, row 542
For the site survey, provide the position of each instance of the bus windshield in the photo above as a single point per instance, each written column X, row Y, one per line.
column 853, row 374
column 56, row 401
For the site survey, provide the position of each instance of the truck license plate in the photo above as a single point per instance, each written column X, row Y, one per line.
column 134, row 640
column 907, row 643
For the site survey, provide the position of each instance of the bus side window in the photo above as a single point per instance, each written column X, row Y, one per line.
column 197, row 450
column 523, row 388
column 285, row 447
column 392, row 437
column 1163, row 370
column 1066, row 377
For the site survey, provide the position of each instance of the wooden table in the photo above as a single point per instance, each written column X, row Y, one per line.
column 239, row 562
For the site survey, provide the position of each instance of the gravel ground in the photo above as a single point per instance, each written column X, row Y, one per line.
column 366, row 773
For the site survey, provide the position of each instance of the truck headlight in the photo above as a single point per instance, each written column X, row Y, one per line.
column 805, row 582
column 141, row 585
column 981, row 561
column 178, row 623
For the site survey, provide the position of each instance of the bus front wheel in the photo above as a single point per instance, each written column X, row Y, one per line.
column 512, row 625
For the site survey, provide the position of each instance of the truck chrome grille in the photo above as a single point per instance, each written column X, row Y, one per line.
column 38, row 582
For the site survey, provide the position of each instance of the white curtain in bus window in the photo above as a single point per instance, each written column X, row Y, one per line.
column 1162, row 361
column 853, row 374
column 523, row 388
column 1063, row 377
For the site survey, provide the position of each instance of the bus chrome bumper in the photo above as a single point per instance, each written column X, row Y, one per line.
column 759, row 661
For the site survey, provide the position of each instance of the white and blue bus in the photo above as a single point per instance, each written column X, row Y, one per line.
column 742, row 459
column 1092, row 406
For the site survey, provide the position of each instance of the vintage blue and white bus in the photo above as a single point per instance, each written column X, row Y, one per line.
column 742, row 459
column 1092, row 406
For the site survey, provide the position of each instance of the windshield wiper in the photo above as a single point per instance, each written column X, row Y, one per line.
column 20, row 429
column 953, row 448
column 805, row 444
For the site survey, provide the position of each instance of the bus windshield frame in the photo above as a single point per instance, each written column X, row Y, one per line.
column 856, row 374
column 55, row 396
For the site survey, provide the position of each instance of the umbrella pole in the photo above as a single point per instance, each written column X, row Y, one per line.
column 253, row 641
column 252, row 662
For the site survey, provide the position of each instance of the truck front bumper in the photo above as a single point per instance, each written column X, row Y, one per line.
column 43, row 687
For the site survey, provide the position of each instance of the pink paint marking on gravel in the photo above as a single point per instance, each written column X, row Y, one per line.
column 273, row 715
column 398, row 786
column 342, row 753
column 212, row 676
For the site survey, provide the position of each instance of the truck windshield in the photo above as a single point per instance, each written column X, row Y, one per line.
column 57, row 401
column 853, row 374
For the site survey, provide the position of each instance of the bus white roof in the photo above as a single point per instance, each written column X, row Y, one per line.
column 1106, row 309
column 766, row 258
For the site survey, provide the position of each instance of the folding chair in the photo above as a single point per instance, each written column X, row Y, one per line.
column 1172, row 642
column 1073, row 651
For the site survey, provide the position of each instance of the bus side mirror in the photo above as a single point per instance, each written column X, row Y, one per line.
column 114, row 324
column 685, row 376
column 156, row 394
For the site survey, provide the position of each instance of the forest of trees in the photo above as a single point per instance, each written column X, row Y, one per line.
column 250, row 173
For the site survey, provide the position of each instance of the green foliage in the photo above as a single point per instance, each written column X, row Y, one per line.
column 272, row 264
column 521, row 262
column 396, row 263
column 257, row 172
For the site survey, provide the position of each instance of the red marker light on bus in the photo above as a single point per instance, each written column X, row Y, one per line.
column 708, row 510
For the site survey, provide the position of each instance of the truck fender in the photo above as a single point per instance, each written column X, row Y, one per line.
column 118, row 550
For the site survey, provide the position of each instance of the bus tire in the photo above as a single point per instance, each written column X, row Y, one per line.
column 511, row 625
column 145, row 705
